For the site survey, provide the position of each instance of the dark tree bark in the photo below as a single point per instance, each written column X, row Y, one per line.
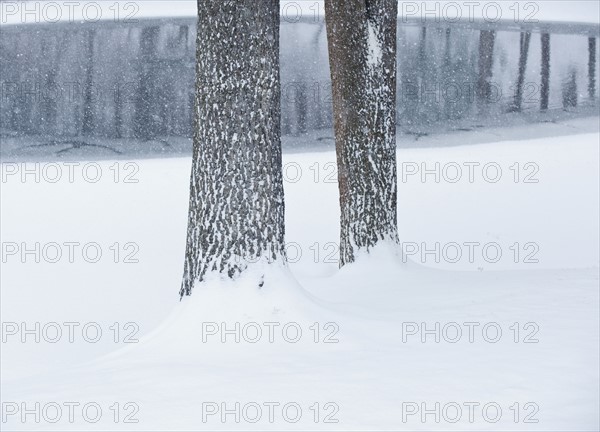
column 302, row 108
column 486, row 61
column 447, row 50
column 119, row 111
column 447, row 73
column 316, row 86
column 569, row 90
column 523, row 54
column 50, row 103
column 362, row 51
column 88, row 101
column 592, row 68
column 121, row 93
column 422, row 47
column 236, row 209
column 545, row 87
column 145, row 124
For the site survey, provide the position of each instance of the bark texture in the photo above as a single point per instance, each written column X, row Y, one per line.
column 145, row 121
column 236, row 209
column 523, row 54
column 362, row 52
column 88, row 102
column 487, row 39
column 592, row 68
column 545, row 86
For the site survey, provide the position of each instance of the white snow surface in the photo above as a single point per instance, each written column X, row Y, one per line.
column 371, row 376
column 375, row 51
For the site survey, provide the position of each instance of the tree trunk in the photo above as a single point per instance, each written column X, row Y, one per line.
column 302, row 108
column 120, row 94
column 569, row 90
column 545, row 87
column 316, row 85
column 523, row 54
column 88, row 102
column 447, row 74
column 145, row 123
column 486, row 62
column 592, row 68
column 362, row 52
column 236, row 209
column 423, row 48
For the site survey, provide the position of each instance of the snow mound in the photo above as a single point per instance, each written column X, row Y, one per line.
column 237, row 316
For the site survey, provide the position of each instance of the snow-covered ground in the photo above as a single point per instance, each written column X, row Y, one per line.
column 517, row 333
column 506, row 127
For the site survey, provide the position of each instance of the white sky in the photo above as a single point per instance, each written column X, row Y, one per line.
column 13, row 12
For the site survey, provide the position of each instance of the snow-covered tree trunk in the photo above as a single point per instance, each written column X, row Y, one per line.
column 362, row 52
column 236, row 209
